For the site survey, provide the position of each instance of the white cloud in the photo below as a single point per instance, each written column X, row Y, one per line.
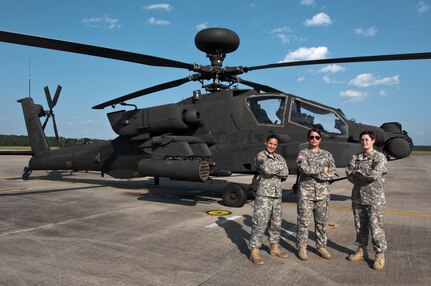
column 327, row 79
column 105, row 22
column 370, row 32
column 201, row 26
column 284, row 38
column 282, row 34
column 332, row 69
column 353, row 95
column 302, row 78
column 419, row 132
column 307, row 2
column 368, row 80
column 87, row 121
column 160, row 6
column 321, row 19
column 154, row 21
column 422, row 7
column 302, row 54
column 278, row 30
column 382, row 93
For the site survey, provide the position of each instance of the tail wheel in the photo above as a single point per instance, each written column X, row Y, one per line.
column 234, row 195
column 26, row 174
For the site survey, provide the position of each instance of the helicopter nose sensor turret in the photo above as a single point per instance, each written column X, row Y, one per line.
column 397, row 142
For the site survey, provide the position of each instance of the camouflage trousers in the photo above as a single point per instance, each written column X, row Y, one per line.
column 266, row 209
column 320, row 211
column 369, row 218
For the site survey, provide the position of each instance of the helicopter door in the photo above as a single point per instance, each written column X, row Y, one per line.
column 267, row 110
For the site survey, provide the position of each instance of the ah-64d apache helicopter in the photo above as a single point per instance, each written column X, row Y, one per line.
column 211, row 134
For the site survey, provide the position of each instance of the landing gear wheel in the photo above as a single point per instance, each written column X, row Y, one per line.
column 234, row 195
column 26, row 174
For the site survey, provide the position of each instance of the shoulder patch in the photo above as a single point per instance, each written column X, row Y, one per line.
column 261, row 157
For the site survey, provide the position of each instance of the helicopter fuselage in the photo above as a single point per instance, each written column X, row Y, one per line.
column 218, row 134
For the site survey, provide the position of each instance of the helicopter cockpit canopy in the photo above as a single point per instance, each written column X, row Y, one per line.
column 312, row 115
column 268, row 110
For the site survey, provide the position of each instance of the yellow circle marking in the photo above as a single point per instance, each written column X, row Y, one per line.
column 218, row 212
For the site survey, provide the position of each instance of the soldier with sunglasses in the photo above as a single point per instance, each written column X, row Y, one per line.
column 316, row 168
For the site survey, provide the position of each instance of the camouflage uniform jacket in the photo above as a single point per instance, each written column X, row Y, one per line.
column 272, row 169
column 367, row 173
column 313, row 181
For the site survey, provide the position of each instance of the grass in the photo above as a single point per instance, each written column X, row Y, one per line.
column 421, row 152
column 15, row 148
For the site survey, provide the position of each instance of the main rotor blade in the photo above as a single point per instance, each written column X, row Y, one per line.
column 53, row 44
column 258, row 86
column 144, row 91
column 394, row 57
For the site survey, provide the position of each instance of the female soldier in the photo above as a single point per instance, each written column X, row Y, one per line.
column 316, row 168
column 273, row 170
column 367, row 171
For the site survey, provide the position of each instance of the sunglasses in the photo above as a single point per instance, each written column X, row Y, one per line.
column 314, row 137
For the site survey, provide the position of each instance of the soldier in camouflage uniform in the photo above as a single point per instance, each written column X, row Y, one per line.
column 316, row 168
column 367, row 172
column 273, row 170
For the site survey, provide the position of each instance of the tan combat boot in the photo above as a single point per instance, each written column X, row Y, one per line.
column 275, row 250
column 359, row 255
column 302, row 254
column 324, row 253
column 255, row 256
column 379, row 262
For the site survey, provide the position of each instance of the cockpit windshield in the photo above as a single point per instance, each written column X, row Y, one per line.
column 323, row 118
column 267, row 110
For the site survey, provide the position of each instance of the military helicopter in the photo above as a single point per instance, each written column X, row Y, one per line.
column 210, row 134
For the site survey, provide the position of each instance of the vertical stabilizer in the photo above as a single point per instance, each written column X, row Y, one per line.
column 36, row 136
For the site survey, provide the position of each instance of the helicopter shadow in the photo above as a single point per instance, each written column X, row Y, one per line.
column 21, row 193
column 168, row 191
column 188, row 193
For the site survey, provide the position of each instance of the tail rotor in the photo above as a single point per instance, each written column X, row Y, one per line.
column 49, row 113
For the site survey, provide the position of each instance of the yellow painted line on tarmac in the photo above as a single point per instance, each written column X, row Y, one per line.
column 386, row 212
column 406, row 213
column 340, row 208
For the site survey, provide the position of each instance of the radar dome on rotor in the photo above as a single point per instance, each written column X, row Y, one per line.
column 216, row 40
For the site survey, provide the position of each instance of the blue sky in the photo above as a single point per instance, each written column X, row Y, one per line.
column 270, row 32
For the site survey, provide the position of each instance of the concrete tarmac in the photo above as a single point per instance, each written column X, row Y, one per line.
column 80, row 229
